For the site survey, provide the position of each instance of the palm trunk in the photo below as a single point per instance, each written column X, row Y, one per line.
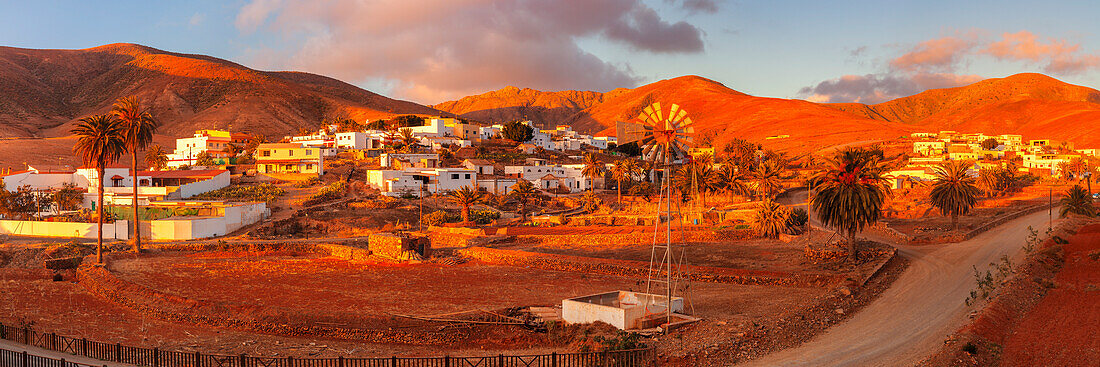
column 137, row 224
column 99, row 219
column 619, row 187
column 523, row 211
column 954, row 222
column 853, row 246
column 465, row 214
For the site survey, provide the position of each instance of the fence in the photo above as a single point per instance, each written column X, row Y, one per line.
column 10, row 358
column 162, row 358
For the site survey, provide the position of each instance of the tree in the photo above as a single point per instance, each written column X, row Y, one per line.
column 593, row 168
column 138, row 126
column 954, row 191
column 100, row 141
column 408, row 138
column 523, row 191
column 850, row 193
column 465, row 197
column 408, row 121
column 204, row 159
column 156, row 158
column 1074, row 168
column 696, row 177
column 770, row 219
column 376, row 125
column 233, row 150
column 68, row 197
column 630, row 149
column 741, row 152
column 990, row 144
column 1077, row 201
column 767, row 177
column 591, row 202
column 517, row 132
column 343, row 124
column 19, row 204
column 623, row 170
column 730, row 179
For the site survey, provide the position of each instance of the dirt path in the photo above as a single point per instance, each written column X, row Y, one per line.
column 919, row 311
column 17, row 347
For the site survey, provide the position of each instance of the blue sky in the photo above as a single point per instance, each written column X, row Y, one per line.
column 788, row 49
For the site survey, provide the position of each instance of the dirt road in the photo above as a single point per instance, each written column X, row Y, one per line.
column 913, row 317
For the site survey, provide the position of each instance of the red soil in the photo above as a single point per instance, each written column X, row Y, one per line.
column 1062, row 329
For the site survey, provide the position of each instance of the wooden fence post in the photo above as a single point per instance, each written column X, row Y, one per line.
column 27, row 335
column 446, row 361
column 242, row 361
column 554, row 359
column 84, row 346
column 3, row 333
column 340, row 361
column 500, row 360
column 393, row 361
column 25, row 359
column 118, row 352
column 198, row 359
column 289, row 361
column 156, row 357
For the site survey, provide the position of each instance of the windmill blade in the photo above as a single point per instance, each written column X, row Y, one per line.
column 657, row 111
column 628, row 132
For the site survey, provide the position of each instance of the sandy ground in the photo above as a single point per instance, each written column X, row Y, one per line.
column 918, row 312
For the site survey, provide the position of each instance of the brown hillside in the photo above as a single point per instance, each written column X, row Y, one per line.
column 43, row 91
column 1033, row 105
column 724, row 113
column 511, row 103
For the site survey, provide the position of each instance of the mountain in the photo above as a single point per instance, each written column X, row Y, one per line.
column 511, row 103
column 721, row 114
column 1032, row 105
column 43, row 91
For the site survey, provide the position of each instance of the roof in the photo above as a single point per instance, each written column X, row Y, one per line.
column 480, row 162
column 550, row 177
column 208, row 173
column 117, row 177
column 263, row 161
column 279, row 145
column 14, row 173
column 111, row 165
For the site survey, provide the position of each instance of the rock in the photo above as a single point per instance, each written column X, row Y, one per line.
column 839, row 311
column 845, row 291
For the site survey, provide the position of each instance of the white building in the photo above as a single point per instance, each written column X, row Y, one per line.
column 212, row 142
column 552, row 176
column 411, row 181
column 416, row 160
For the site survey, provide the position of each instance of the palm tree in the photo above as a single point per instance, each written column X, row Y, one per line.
column 593, row 169
column 138, row 127
column 623, row 170
column 523, row 191
column 466, row 196
column 770, row 219
column 954, row 192
column 1077, row 201
column 408, row 138
column 100, row 141
column 156, row 158
column 849, row 194
column 767, row 176
column 731, row 180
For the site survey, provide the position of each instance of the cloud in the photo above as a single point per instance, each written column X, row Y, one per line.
column 934, row 64
column 697, row 6
column 196, row 19
column 442, row 49
column 1059, row 56
column 937, row 54
column 877, row 88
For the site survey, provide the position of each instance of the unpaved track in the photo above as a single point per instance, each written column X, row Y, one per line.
column 917, row 313
column 17, row 347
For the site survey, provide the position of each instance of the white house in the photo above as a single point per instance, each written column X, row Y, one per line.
column 481, row 166
column 213, row 142
column 419, row 160
column 413, row 180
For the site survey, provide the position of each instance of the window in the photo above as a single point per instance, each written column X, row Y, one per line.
column 267, row 168
column 454, row 176
column 265, row 153
column 309, row 151
column 467, row 176
column 290, row 152
column 309, row 167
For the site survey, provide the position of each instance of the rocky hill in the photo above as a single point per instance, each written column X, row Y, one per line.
column 43, row 91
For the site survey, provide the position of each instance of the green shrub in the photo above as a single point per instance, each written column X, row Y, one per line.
column 483, row 216
column 796, row 222
column 439, row 217
column 262, row 192
column 334, row 190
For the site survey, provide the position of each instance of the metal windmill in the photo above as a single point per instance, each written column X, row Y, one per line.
column 665, row 140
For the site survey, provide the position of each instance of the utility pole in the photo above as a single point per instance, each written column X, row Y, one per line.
column 1050, row 207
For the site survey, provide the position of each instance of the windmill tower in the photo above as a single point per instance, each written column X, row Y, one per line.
column 665, row 139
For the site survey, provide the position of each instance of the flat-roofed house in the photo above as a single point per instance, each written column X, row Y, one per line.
column 289, row 158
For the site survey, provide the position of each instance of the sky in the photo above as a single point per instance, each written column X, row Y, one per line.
column 430, row 51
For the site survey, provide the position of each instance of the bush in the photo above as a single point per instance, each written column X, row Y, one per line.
column 310, row 182
column 263, row 192
column 439, row 217
column 483, row 216
column 333, row 191
column 796, row 222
